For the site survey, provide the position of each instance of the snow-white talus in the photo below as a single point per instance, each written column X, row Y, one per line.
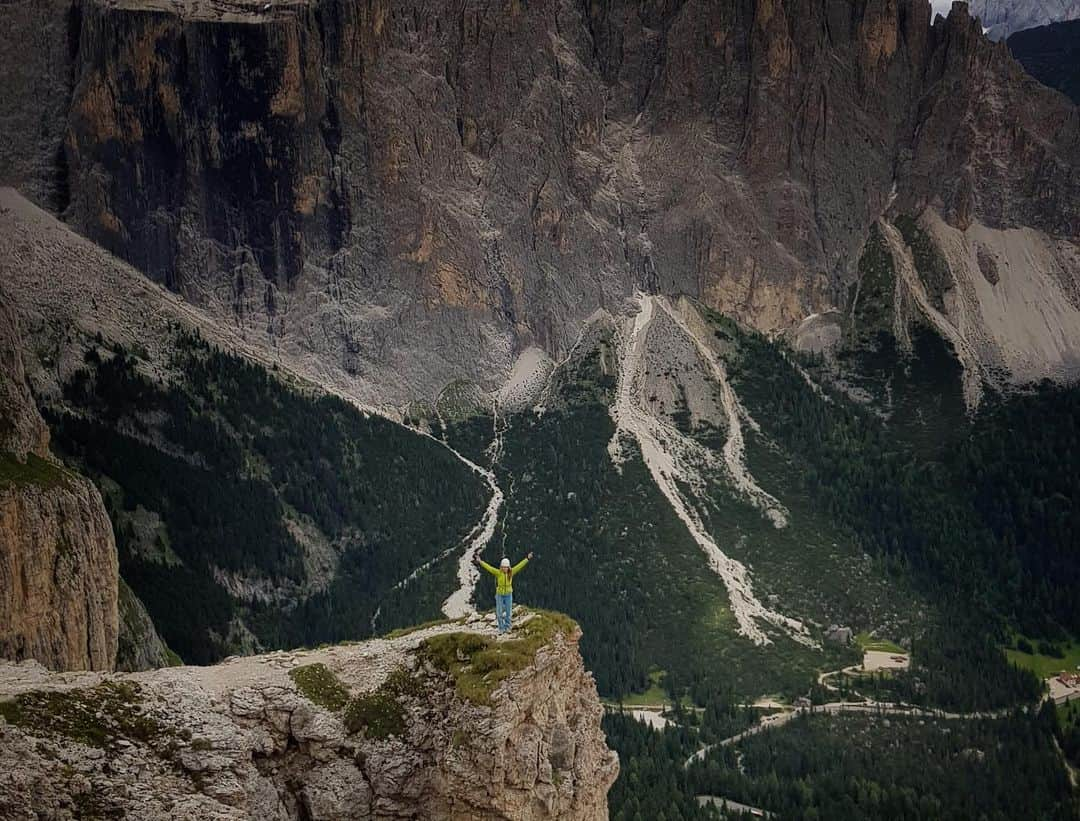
column 673, row 459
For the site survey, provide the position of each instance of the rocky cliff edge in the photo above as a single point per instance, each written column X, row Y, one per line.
column 446, row 721
column 58, row 564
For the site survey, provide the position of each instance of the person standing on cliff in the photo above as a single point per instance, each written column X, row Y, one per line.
column 504, row 588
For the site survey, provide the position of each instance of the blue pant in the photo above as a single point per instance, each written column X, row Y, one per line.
column 504, row 606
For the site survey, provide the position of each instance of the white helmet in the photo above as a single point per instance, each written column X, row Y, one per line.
column 505, row 563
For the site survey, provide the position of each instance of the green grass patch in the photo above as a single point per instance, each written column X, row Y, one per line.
column 381, row 714
column 1046, row 664
column 35, row 471
column 96, row 717
column 478, row 664
column 654, row 694
column 319, row 685
column 377, row 715
column 868, row 642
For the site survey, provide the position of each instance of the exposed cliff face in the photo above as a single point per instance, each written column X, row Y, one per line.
column 22, row 430
column 58, row 565
column 414, row 196
column 981, row 152
column 375, row 731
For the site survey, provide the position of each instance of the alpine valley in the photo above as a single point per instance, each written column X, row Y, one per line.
column 756, row 321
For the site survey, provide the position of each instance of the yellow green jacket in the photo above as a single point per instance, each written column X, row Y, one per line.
column 504, row 585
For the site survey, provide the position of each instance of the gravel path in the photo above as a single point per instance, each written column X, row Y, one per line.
column 363, row 666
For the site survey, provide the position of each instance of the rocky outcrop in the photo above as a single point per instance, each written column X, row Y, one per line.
column 979, row 154
column 369, row 730
column 409, row 196
column 1001, row 18
column 58, row 563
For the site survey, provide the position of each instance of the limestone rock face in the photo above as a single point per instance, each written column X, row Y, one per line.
column 58, row 572
column 409, row 195
column 58, row 563
column 240, row 741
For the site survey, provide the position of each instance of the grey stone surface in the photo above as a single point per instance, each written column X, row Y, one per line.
column 238, row 741
column 408, row 197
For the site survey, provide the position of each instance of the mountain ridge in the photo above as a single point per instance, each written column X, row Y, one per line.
column 409, row 245
column 1003, row 18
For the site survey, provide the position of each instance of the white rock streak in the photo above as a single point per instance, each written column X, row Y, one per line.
column 673, row 459
column 735, row 447
column 907, row 279
column 460, row 602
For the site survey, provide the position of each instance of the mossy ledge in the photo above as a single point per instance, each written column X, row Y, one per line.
column 378, row 714
column 478, row 664
column 34, row 471
column 319, row 685
column 97, row 717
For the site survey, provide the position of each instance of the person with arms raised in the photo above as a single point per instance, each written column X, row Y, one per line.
column 504, row 588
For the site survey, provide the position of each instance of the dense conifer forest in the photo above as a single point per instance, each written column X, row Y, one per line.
column 251, row 477
column 849, row 767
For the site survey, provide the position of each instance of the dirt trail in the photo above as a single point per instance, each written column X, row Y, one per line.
column 874, row 708
column 673, row 459
column 364, row 665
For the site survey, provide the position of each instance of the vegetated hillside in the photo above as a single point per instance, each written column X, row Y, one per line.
column 614, row 554
column 1052, row 55
column 289, row 517
column 905, row 514
column 1003, row 768
column 435, row 187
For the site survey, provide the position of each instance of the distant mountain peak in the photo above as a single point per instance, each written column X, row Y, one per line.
column 1001, row 18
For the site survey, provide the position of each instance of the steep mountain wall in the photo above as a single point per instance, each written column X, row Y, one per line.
column 192, row 522
column 411, row 195
column 370, row 730
column 58, row 565
column 993, row 145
